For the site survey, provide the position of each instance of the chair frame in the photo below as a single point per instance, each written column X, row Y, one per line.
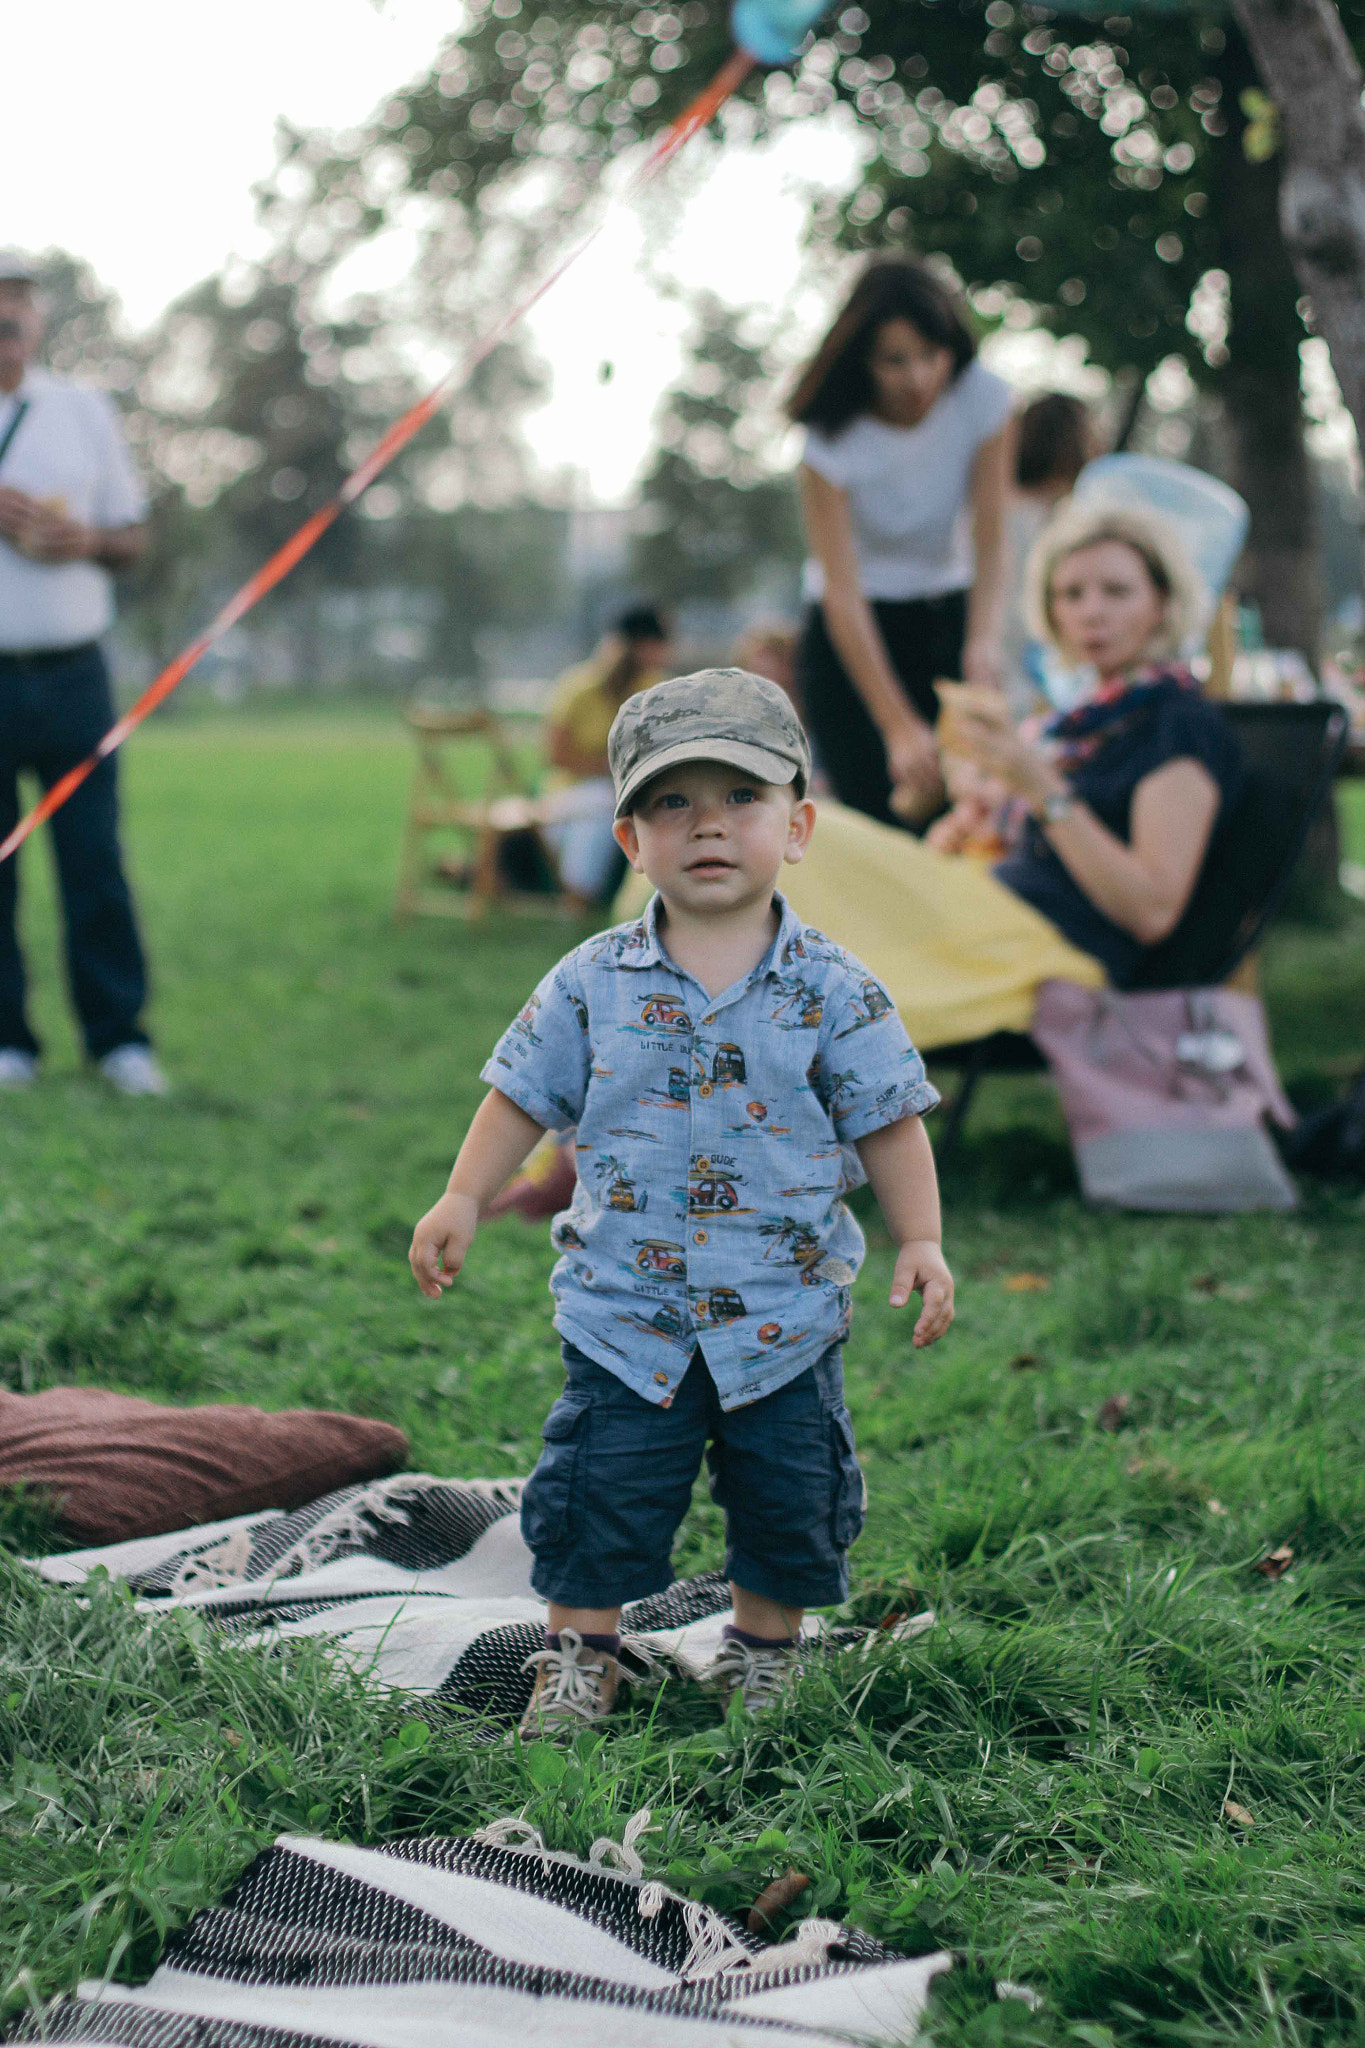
column 436, row 805
column 1014, row 1052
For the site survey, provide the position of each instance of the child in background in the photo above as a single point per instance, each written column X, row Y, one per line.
column 633, row 656
column 731, row 1073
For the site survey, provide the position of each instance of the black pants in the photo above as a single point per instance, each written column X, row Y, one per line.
column 923, row 638
column 53, row 710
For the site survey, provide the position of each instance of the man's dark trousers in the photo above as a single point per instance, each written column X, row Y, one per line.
column 54, row 708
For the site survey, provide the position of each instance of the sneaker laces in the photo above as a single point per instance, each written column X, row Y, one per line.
column 759, row 1676
column 574, row 1686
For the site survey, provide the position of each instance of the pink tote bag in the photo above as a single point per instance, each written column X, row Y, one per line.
column 1166, row 1095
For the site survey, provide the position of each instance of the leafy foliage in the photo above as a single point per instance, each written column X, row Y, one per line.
column 248, row 403
column 1111, row 174
column 1076, row 162
column 713, row 516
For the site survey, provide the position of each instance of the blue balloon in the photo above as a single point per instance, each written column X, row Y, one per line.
column 773, row 30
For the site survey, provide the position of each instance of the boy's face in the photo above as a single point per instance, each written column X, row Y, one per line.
column 713, row 840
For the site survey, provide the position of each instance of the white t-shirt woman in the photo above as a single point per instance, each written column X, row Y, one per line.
column 909, row 489
column 904, row 482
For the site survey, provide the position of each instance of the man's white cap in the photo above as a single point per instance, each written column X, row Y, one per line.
column 16, row 268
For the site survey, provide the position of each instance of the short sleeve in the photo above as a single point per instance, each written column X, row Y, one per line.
column 119, row 499
column 542, row 1060
column 870, row 1074
column 1190, row 729
column 827, row 455
column 992, row 400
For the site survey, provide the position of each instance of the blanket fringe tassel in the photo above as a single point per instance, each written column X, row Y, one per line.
column 712, row 1948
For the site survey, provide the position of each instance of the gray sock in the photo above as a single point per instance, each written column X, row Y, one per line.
column 611, row 1644
column 733, row 1633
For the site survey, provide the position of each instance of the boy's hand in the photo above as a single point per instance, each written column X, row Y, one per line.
column 441, row 1241
column 921, row 1269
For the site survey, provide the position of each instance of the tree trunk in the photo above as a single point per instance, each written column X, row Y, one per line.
column 1309, row 69
column 1261, row 384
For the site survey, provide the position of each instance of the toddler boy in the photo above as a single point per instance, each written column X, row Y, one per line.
column 731, row 1074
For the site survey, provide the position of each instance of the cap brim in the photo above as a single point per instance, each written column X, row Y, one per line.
column 755, row 761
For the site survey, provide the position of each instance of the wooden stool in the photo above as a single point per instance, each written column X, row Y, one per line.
column 481, row 824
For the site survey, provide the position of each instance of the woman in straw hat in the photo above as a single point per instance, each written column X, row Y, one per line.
column 1113, row 805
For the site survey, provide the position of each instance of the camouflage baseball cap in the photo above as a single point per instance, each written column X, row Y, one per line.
column 718, row 714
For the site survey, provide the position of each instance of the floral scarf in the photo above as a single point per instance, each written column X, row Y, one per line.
column 1079, row 734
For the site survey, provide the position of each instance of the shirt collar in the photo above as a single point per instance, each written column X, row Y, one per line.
column 789, row 928
column 642, row 946
column 650, row 951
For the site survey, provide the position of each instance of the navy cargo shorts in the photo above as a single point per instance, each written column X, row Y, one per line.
column 615, row 1478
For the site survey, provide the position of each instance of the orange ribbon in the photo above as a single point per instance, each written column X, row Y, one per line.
column 703, row 108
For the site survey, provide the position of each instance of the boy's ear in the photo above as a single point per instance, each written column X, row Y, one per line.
column 802, row 825
column 626, row 837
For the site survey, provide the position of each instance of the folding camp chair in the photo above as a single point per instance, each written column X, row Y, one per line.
column 476, row 880
column 1290, row 753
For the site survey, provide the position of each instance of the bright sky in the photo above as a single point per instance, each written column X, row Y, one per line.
column 159, row 117
column 141, row 129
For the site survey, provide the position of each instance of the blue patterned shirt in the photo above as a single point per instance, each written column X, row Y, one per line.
column 715, row 1144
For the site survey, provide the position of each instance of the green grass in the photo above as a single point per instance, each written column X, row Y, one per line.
column 1039, row 1783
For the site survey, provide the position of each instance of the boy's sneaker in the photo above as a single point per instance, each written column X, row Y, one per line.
column 133, row 1070
column 575, row 1687
column 18, row 1069
column 759, row 1673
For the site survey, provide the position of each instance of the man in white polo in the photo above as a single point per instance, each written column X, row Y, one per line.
column 71, row 510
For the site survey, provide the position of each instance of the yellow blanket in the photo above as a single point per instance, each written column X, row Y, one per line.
column 960, row 954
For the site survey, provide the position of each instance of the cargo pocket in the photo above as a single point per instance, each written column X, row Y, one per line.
column 850, row 1487
column 550, row 1500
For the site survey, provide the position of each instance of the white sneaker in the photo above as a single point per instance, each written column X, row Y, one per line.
column 759, row 1675
column 133, row 1070
column 575, row 1687
column 18, row 1069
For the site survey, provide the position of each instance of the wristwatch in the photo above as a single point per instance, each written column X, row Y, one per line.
column 1058, row 806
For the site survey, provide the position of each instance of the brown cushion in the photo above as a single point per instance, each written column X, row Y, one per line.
column 121, row 1467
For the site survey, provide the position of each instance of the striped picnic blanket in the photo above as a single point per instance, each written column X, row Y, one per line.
column 480, row 1943
column 422, row 1583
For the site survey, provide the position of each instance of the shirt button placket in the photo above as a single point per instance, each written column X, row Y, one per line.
column 703, row 1141
column 697, row 1236
column 693, row 1235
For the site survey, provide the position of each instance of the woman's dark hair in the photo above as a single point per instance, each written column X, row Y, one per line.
column 1053, row 440
column 642, row 622
column 836, row 385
